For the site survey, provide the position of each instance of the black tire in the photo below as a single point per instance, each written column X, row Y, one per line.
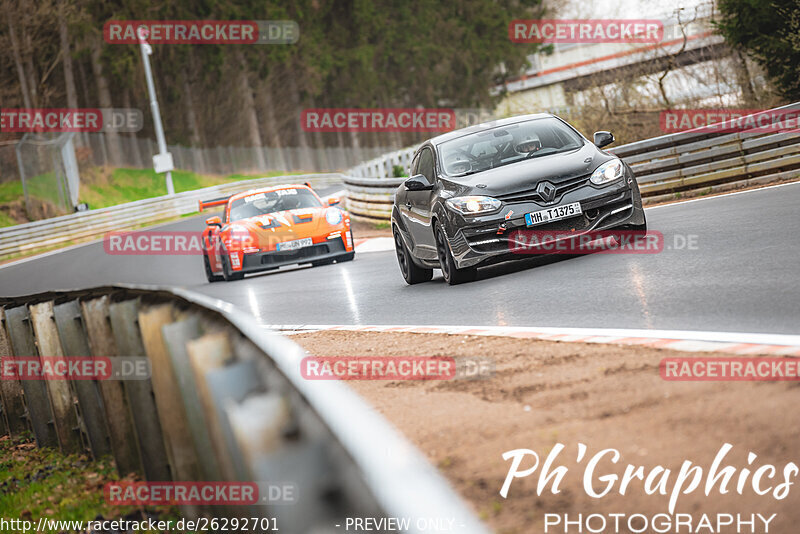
column 412, row 273
column 452, row 274
column 227, row 273
column 210, row 276
column 641, row 228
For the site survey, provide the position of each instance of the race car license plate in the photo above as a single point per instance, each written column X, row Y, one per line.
column 294, row 245
column 553, row 214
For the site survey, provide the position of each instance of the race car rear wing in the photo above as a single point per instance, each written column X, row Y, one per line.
column 221, row 201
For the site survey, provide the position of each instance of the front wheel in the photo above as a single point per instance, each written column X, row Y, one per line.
column 210, row 276
column 412, row 273
column 451, row 273
column 229, row 274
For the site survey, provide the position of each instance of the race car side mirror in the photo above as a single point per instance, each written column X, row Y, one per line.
column 333, row 201
column 602, row 139
column 214, row 221
column 418, row 182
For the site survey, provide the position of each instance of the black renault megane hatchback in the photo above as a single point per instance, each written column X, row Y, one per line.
column 472, row 190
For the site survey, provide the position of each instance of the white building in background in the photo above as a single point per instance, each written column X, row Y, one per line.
column 702, row 71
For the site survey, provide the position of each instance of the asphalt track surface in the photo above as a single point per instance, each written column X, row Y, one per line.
column 742, row 274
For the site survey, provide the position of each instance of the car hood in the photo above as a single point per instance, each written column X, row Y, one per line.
column 286, row 225
column 524, row 175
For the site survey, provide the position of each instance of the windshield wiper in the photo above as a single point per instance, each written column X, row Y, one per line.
column 466, row 173
column 541, row 152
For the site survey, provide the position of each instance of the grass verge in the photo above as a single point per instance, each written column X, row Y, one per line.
column 45, row 483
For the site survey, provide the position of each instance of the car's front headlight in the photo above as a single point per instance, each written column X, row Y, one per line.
column 608, row 172
column 239, row 237
column 473, row 205
column 333, row 216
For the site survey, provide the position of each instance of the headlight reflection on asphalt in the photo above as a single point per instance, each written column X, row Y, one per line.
column 351, row 295
column 252, row 300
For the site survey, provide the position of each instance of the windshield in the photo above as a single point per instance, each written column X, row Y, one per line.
column 502, row 145
column 272, row 201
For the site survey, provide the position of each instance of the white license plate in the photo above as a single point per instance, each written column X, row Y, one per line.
column 553, row 214
column 294, row 245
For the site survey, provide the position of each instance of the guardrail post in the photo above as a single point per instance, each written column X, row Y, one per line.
column 125, row 326
column 69, row 323
column 11, row 393
column 171, row 412
column 62, row 401
column 121, row 432
column 37, row 403
column 206, row 353
column 176, row 335
column 232, row 383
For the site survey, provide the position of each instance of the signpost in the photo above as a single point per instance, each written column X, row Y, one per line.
column 162, row 162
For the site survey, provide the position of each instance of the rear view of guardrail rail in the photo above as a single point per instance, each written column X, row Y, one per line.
column 94, row 224
column 702, row 160
column 225, row 401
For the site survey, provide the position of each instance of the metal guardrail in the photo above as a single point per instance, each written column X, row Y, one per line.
column 226, row 401
column 57, row 231
column 690, row 161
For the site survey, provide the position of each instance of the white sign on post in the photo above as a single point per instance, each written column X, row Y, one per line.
column 163, row 163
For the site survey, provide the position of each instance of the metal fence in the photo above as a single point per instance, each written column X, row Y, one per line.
column 225, row 401
column 58, row 231
column 706, row 160
column 137, row 153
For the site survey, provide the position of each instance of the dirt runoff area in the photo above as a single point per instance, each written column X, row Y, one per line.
column 546, row 393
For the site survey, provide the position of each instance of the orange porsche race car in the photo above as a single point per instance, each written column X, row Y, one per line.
column 267, row 228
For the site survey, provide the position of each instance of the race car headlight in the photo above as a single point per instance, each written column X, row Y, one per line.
column 473, row 205
column 608, row 172
column 238, row 237
column 333, row 216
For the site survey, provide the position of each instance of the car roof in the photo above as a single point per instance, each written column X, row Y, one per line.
column 485, row 126
column 267, row 189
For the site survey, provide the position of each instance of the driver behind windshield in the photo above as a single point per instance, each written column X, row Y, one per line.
column 271, row 202
column 493, row 148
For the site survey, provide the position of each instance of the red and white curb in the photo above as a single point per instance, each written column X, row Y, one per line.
column 683, row 340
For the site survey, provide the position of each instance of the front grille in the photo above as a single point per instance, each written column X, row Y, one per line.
column 487, row 240
column 531, row 194
column 294, row 255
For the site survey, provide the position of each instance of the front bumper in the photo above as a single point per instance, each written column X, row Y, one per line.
column 264, row 261
column 482, row 241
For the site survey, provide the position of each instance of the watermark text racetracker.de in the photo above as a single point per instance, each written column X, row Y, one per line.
column 586, row 31
column 396, row 368
column 597, row 242
column 88, row 120
column 156, row 243
column 201, row 31
column 378, row 120
column 74, row 368
column 730, row 120
column 730, row 368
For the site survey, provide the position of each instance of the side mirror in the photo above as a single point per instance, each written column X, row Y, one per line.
column 602, row 139
column 418, row 182
column 333, row 201
column 214, row 221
